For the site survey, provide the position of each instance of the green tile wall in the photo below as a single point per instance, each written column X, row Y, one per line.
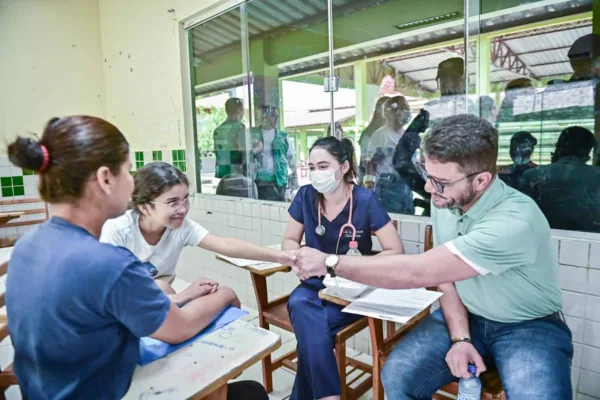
column 28, row 172
column 12, row 186
column 179, row 160
column 139, row 159
column 157, row 155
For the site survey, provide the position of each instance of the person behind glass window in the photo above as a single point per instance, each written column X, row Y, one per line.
column 381, row 176
column 238, row 183
column 230, row 138
column 568, row 190
column 522, row 92
column 451, row 83
column 339, row 132
column 522, row 145
column 377, row 121
column 272, row 151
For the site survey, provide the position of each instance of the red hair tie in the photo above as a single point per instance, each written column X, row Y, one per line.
column 46, row 160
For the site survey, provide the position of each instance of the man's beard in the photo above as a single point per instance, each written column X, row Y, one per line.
column 465, row 198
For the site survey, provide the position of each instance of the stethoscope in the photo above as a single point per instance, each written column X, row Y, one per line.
column 320, row 229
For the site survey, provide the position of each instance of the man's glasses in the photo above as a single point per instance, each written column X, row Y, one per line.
column 175, row 204
column 438, row 185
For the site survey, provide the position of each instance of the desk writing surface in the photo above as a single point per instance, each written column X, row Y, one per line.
column 205, row 365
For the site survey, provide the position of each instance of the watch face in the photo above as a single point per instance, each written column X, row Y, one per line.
column 330, row 261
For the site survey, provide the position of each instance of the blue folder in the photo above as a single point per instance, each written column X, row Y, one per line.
column 152, row 349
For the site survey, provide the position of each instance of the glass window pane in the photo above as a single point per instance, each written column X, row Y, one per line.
column 222, row 104
column 399, row 64
column 288, row 46
column 537, row 75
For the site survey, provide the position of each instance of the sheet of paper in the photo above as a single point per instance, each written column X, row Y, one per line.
column 242, row 262
column 393, row 305
column 259, row 265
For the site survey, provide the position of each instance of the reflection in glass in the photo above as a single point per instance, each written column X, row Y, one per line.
column 526, row 69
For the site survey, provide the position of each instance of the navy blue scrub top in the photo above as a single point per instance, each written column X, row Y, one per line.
column 368, row 215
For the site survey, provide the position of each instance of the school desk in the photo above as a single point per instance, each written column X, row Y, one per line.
column 205, row 365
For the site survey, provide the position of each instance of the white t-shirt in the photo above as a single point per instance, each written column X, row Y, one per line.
column 268, row 163
column 384, row 139
column 125, row 231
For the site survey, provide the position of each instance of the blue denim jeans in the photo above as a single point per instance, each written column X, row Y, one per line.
column 533, row 358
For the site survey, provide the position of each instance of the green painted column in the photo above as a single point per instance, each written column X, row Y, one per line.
column 360, row 92
column 265, row 78
column 484, row 65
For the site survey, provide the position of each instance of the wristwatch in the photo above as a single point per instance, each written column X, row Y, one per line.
column 331, row 262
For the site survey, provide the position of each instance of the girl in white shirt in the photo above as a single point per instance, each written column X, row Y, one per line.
column 157, row 228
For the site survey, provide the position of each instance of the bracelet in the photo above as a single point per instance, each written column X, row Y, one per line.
column 460, row 340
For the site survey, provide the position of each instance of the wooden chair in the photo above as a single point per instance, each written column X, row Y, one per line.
column 490, row 380
column 7, row 376
column 12, row 219
column 275, row 313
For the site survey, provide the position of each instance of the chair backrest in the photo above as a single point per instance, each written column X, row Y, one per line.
column 35, row 211
column 428, row 238
column 3, row 320
column 429, row 245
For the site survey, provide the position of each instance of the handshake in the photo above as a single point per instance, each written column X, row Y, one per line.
column 305, row 262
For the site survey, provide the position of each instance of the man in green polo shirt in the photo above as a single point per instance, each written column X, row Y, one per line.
column 494, row 261
column 230, row 140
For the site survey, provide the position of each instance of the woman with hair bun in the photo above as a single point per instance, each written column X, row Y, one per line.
column 77, row 307
column 319, row 212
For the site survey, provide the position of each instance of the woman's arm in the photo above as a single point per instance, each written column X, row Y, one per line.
column 242, row 249
column 389, row 240
column 293, row 235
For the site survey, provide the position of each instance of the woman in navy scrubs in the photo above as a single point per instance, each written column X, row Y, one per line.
column 315, row 321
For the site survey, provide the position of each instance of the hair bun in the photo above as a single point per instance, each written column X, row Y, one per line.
column 26, row 153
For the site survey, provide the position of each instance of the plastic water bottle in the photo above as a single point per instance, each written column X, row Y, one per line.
column 353, row 249
column 469, row 389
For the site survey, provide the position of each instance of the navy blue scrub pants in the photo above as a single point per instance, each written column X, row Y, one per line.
column 316, row 322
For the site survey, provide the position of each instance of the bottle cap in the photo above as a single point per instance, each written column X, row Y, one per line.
column 472, row 369
column 354, row 244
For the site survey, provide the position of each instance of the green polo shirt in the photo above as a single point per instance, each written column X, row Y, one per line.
column 506, row 238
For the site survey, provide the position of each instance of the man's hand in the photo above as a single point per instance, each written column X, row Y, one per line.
column 460, row 356
column 310, row 262
column 288, row 257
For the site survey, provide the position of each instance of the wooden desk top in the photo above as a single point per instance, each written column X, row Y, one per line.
column 8, row 216
column 259, row 271
column 325, row 295
column 205, row 365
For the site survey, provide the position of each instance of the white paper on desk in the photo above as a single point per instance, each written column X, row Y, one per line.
column 393, row 305
column 260, row 265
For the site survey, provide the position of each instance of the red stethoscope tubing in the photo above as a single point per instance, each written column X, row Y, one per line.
column 346, row 225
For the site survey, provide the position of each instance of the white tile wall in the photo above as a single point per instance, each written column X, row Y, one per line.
column 573, row 278
column 574, row 252
column 589, row 383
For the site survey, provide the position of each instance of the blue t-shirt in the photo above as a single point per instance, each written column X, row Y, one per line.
column 368, row 215
column 76, row 310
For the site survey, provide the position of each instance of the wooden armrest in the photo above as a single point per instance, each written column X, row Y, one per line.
column 333, row 299
column 270, row 271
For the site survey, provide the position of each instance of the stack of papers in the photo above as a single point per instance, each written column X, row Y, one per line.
column 393, row 305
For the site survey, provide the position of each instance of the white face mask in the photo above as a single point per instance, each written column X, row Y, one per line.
column 324, row 180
